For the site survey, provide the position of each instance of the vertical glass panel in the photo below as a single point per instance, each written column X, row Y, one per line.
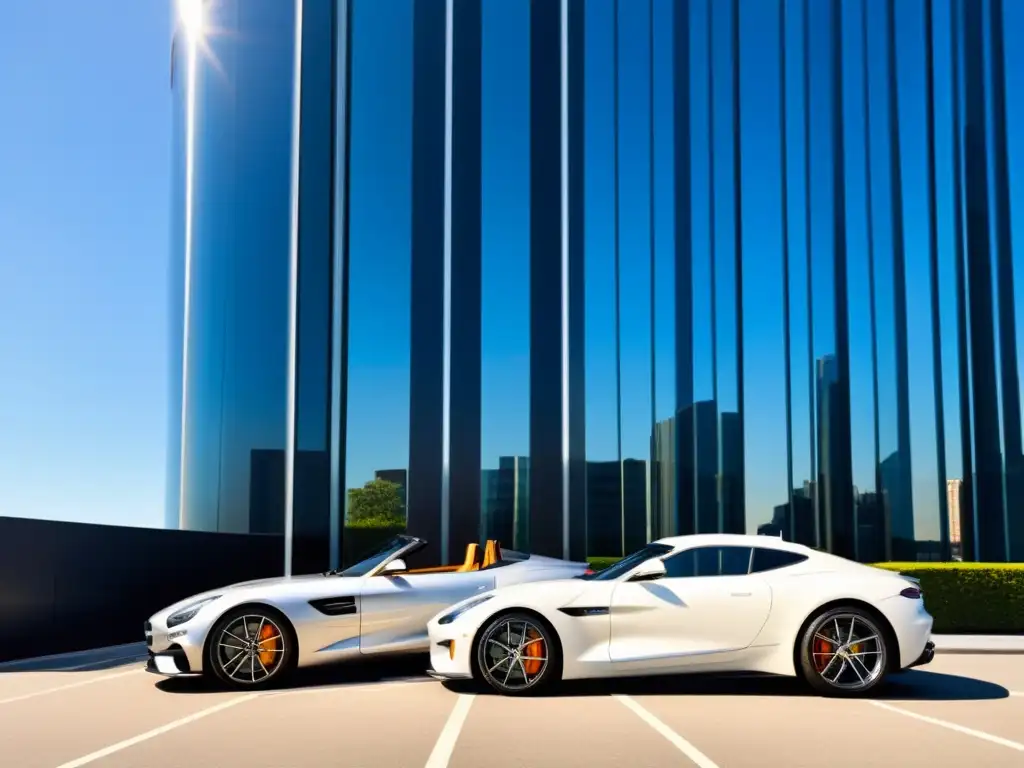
column 634, row 273
column 180, row 88
column 505, row 277
column 1013, row 68
column 604, row 481
column 803, row 525
column 719, row 452
column 869, row 533
column 311, row 493
column 910, row 76
column 709, row 137
column 948, row 253
column 379, row 297
column 764, row 342
column 237, row 360
column 827, row 373
column 664, row 466
column 890, row 313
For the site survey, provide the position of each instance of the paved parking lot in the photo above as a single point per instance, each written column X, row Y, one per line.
column 961, row 709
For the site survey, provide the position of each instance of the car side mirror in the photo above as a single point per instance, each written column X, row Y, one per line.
column 395, row 566
column 649, row 570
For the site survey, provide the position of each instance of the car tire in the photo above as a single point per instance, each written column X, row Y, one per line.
column 242, row 653
column 844, row 652
column 517, row 654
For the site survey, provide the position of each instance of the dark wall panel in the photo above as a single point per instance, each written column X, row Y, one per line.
column 72, row 586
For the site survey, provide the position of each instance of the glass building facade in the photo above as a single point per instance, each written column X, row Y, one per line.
column 576, row 275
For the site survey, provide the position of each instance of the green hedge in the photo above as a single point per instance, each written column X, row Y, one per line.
column 970, row 598
column 964, row 598
column 600, row 563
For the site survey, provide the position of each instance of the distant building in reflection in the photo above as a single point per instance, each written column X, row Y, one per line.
column 870, row 517
column 698, row 472
column 505, row 501
column 898, row 501
column 618, row 506
column 954, row 491
column 794, row 520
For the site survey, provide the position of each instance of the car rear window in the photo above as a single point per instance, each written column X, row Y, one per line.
column 771, row 559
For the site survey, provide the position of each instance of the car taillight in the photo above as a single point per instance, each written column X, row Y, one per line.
column 588, row 572
column 913, row 593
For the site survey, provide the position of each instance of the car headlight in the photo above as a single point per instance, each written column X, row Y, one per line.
column 448, row 618
column 188, row 612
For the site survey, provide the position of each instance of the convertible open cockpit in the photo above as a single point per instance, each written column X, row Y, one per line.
column 474, row 560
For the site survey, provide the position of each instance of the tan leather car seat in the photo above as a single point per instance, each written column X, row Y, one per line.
column 472, row 561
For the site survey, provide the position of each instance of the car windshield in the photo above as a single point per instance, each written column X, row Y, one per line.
column 367, row 564
column 628, row 563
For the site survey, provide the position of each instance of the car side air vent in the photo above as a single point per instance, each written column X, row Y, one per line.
column 584, row 612
column 335, row 606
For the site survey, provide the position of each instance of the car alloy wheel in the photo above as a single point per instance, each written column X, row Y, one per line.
column 515, row 654
column 249, row 648
column 844, row 652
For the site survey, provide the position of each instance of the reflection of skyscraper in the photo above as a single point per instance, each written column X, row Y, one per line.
column 835, row 481
column 635, row 503
column 664, row 504
column 604, row 508
column 505, row 501
column 618, row 504
column 897, row 498
column 954, row 488
column 698, row 462
column 870, row 527
column 732, row 488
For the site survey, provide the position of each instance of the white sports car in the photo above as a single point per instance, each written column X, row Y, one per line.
column 704, row 603
column 249, row 635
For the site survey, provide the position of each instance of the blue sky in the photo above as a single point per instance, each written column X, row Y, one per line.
column 84, row 153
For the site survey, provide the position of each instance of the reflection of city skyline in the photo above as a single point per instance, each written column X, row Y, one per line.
column 784, row 343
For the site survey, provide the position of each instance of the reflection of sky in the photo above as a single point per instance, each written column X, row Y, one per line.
column 378, row 412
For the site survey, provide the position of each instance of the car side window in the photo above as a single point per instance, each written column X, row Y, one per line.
column 708, row 561
column 770, row 559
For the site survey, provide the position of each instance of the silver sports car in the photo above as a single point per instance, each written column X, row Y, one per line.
column 251, row 634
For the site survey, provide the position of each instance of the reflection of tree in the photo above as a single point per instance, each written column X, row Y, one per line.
column 378, row 504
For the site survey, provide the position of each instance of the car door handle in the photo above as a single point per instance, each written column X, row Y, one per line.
column 741, row 594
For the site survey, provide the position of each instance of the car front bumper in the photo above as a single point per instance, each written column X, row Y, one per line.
column 450, row 653
column 174, row 652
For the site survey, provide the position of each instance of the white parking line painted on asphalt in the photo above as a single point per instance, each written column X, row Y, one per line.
column 951, row 726
column 121, row 745
column 445, row 744
column 372, row 686
column 697, row 757
column 69, row 686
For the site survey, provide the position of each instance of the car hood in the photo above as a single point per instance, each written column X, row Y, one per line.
column 557, row 592
column 256, row 585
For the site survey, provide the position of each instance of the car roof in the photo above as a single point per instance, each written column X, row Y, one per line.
column 734, row 540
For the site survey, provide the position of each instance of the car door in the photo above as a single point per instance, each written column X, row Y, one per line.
column 396, row 609
column 706, row 603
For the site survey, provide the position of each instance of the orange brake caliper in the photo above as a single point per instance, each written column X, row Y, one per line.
column 822, row 653
column 270, row 642
column 534, row 648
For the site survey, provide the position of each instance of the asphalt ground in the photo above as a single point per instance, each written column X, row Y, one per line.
column 960, row 709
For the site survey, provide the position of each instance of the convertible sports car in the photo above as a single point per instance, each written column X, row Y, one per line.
column 704, row 603
column 251, row 634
